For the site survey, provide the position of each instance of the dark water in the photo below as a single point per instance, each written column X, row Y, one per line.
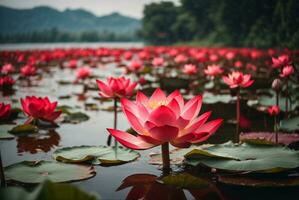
column 93, row 132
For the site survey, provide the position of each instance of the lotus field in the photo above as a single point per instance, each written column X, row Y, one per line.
column 149, row 123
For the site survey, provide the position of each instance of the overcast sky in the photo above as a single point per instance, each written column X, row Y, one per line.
column 98, row 7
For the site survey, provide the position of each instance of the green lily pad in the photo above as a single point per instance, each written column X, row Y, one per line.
column 176, row 156
column 37, row 172
column 4, row 134
column 260, row 182
column 24, row 128
column 210, row 98
column 47, row 191
column 184, row 180
column 96, row 155
column 245, row 157
column 290, row 124
column 64, row 109
column 271, row 100
column 75, row 117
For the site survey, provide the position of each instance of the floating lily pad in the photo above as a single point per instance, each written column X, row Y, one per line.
column 64, row 109
column 37, row 172
column 211, row 98
column 75, row 118
column 269, row 138
column 47, row 191
column 245, row 157
column 184, row 180
column 290, row 124
column 259, row 181
column 266, row 101
column 4, row 134
column 24, row 128
column 96, row 155
column 176, row 156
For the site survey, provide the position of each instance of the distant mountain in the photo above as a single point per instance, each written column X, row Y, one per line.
column 76, row 21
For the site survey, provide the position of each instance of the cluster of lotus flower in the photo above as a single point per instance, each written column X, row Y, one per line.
column 158, row 119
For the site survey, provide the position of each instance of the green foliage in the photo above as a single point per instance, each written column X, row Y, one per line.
column 251, row 23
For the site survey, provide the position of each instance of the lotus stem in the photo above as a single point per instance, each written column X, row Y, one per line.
column 277, row 98
column 275, row 129
column 287, row 98
column 114, row 124
column 165, row 156
column 2, row 177
column 238, row 116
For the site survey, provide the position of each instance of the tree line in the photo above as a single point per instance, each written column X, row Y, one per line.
column 56, row 35
column 252, row 23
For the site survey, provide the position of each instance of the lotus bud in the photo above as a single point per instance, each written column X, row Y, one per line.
column 277, row 85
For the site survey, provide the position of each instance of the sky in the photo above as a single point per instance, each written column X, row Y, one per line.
column 131, row 8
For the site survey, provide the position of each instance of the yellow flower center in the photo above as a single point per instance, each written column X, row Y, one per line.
column 155, row 104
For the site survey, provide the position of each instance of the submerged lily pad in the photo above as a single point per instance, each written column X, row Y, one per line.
column 245, row 157
column 24, row 128
column 75, row 117
column 37, row 172
column 47, row 191
column 4, row 132
column 211, row 98
column 184, row 180
column 290, row 124
column 259, row 181
column 96, row 155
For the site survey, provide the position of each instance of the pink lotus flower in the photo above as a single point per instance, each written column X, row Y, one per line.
column 142, row 80
column 7, row 68
column 72, row 64
column 160, row 119
column 40, row 108
column 213, row 70
column 83, row 72
column 180, row 58
column 128, row 55
column 116, row 87
column 6, row 82
column 238, row 79
column 287, row 71
column 190, row 69
column 5, row 111
column 280, row 61
column 28, row 70
column 238, row 64
column 158, row 62
column 273, row 110
column 230, row 55
column 135, row 66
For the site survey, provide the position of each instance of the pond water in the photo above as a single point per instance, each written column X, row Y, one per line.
column 93, row 132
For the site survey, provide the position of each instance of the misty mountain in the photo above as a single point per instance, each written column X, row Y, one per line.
column 14, row 21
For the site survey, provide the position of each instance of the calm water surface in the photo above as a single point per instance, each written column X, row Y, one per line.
column 93, row 132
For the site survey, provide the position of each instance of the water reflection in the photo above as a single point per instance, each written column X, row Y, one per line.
column 35, row 143
column 148, row 187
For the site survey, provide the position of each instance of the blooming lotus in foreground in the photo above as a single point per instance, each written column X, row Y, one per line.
column 287, row 71
column 213, row 70
column 83, row 73
column 40, row 108
column 238, row 79
column 116, row 87
column 190, row 69
column 5, row 110
column 7, row 68
column 273, row 110
column 161, row 119
column 28, row 70
column 280, row 61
